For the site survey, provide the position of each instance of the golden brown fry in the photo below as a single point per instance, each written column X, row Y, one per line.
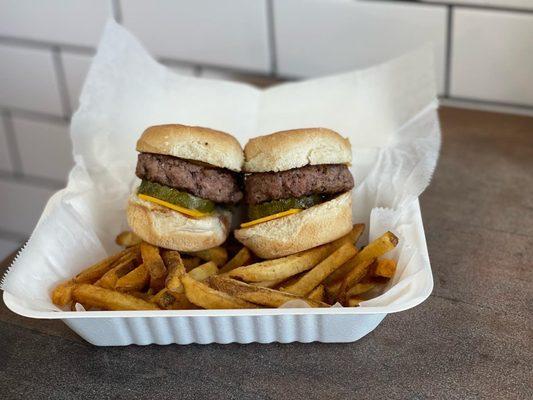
column 385, row 268
column 62, row 294
column 137, row 279
column 203, row 296
column 359, row 288
column 354, row 235
column 190, row 263
column 256, row 294
column 357, row 273
column 176, row 270
column 155, row 265
column 375, row 249
column 204, row 271
column 318, row 293
column 315, row 276
column 141, row 295
column 354, row 301
column 127, row 239
column 240, row 259
column 332, row 291
column 110, row 278
column 269, row 284
column 96, row 271
column 164, row 299
column 107, row 299
column 181, row 302
column 218, row 255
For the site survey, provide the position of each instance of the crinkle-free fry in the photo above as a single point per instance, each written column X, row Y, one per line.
column 191, row 262
column 206, row 297
column 385, row 268
column 317, row 294
column 110, row 278
column 96, row 271
column 175, row 269
column 316, row 275
column 127, row 239
column 218, row 255
column 240, row 259
column 107, row 299
column 204, row 271
column 154, row 263
column 256, row 294
column 357, row 273
column 62, row 293
column 135, row 280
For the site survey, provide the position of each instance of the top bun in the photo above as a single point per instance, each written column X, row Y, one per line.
column 193, row 143
column 296, row 148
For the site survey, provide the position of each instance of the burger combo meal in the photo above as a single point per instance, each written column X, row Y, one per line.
column 297, row 241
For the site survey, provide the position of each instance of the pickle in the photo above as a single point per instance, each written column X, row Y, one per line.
column 256, row 211
column 176, row 197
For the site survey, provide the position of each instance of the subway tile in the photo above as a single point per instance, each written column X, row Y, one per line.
column 256, row 80
column 22, row 205
column 321, row 37
column 492, row 56
column 76, row 67
column 5, row 157
column 77, row 22
column 29, row 80
column 45, row 148
column 521, row 4
column 8, row 246
column 230, row 33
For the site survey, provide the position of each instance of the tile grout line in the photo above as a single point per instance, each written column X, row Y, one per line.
column 116, row 9
column 61, row 79
column 449, row 49
column 32, row 180
column 34, row 115
column 37, row 44
column 271, row 37
column 12, row 144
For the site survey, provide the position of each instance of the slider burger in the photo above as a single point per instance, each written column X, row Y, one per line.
column 189, row 174
column 298, row 191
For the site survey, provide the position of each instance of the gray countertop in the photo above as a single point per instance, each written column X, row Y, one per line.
column 472, row 338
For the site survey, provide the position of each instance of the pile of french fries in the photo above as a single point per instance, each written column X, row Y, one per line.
column 145, row 277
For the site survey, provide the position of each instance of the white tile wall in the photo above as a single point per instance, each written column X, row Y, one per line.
column 317, row 37
column 492, row 56
column 22, row 205
column 78, row 22
column 45, row 148
column 5, row 160
column 28, row 80
column 220, row 32
column 7, row 247
column 522, row 4
column 76, row 67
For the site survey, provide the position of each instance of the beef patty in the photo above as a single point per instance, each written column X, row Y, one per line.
column 215, row 184
column 298, row 182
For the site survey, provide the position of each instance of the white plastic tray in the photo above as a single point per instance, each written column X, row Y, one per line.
column 284, row 325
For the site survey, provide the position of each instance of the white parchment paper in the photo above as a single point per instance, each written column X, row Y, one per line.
column 388, row 112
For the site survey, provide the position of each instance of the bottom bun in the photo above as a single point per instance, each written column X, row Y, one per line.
column 317, row 225
column 170, row 229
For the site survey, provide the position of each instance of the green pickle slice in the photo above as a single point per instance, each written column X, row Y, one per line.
column 176, row 197
column 256, row 211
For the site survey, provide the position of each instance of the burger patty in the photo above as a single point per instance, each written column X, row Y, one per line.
column 298, row 182
column 215, row 184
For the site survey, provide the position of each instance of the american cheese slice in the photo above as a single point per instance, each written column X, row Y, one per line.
column 271, row 217
column 183, row 210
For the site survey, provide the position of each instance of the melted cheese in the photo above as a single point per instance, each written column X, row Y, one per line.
column 183, row 210
column 271, row 217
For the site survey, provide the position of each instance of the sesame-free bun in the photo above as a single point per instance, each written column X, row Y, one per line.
column 193, row 143
column 170, row 229
column 296, row 148
column 309, row 228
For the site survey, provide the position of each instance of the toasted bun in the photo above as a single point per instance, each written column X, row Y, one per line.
column 193, row 143
column 297, row 232
column 285, row 150
column 170, row 229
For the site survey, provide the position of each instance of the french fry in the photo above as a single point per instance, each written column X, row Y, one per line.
column 62, row 293
column 154, row 263
column 354, row 301
column 141, row 295
column 269, row 284
column 354, row 235
column 256, row 294
column 317, row 294
column 135, row 280
column 281, row 268
column 127, row 239
column 359, row 288
column 190, row 263
column 218, row 255
column 110, row 278
column 163, row 299
column 375, row 249
column 107, row 299
column 204, row 271
column 96, row 271
column 357, row 273
column 385, row 268
column 315, row 276
column 181, row 302
column 240, row 259
column 176, row 270
column 332, row 291
column 203, row 296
